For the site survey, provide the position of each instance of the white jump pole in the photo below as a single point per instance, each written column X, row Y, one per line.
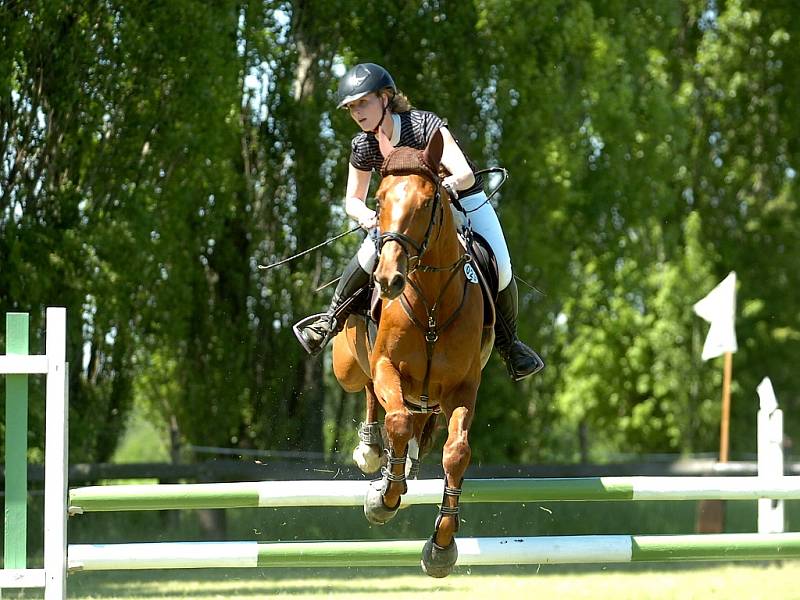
column 562, row 549
column 272, row 494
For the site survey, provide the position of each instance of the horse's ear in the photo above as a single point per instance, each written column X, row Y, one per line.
column 433, row 153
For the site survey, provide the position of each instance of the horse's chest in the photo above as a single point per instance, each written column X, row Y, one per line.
column 450, row 363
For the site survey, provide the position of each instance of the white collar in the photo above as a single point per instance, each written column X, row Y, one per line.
column 395, row 129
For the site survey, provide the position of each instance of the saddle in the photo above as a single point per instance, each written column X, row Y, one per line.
column 485, row 265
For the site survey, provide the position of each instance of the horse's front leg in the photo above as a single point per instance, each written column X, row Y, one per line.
column 369, row 452
column 440, row 552
column 383, row 500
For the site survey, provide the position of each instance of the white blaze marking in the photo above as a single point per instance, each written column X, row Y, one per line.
column 398, row 208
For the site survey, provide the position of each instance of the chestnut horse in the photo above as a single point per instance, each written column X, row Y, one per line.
column 427, row 356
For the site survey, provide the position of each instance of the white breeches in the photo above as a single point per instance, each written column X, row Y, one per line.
column 484, row 221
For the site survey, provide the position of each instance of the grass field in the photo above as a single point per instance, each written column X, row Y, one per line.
column 768, row 581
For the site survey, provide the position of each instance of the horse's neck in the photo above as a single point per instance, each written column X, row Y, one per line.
column 444, row 250
column 447, row 237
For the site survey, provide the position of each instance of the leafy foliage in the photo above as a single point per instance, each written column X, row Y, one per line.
column 153, row 156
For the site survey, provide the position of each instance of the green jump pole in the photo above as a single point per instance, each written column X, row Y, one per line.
column 16, row 456
column 570, row 549
column 426, row 491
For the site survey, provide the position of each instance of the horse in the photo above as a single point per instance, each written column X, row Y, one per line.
column 431, row 342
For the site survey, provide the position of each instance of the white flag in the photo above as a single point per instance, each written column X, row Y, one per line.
column 719, row 309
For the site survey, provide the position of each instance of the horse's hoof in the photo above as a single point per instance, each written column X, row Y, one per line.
column 367, row 457
column 437, row 561
column 374, row 508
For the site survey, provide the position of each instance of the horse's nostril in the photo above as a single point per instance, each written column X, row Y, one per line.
column 398, row 283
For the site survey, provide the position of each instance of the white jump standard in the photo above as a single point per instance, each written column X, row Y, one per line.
column 52, row 364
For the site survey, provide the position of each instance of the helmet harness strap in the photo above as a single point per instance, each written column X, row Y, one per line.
column 383, row 116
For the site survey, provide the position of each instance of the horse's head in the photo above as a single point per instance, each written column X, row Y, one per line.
column 408, row 199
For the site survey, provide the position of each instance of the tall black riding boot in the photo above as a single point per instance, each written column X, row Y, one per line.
column 316, row 331
column 520, row 360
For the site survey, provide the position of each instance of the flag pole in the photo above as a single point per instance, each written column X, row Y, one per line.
column 718, row 307
column 711, row 513
column 724, row 425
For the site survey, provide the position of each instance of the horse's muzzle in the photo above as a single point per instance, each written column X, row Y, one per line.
column 392, row 287
column 390, row 272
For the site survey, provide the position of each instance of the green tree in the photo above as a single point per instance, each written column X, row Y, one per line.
column 153, row 156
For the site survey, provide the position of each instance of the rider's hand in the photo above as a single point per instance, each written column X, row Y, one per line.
column 368, row 219
column 361, row 213
column 449, row 184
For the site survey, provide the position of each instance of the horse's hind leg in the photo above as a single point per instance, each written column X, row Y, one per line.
column 352, row 378
column 440, row 552
column 423, row 426
column 369, row 452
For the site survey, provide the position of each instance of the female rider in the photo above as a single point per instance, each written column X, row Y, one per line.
column 387, row 120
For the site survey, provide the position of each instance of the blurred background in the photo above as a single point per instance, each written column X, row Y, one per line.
column 153, row 154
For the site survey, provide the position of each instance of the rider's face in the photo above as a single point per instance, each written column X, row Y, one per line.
column 367, row 111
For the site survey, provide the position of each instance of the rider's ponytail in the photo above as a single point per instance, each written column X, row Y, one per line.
column 399, row 103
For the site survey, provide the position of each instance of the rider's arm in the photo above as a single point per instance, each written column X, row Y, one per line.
column 461, row 175
column 356, row 194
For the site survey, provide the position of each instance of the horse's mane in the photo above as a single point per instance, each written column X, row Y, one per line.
column 408, row 161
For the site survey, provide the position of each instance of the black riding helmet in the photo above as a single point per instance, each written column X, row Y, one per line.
column 361, row 80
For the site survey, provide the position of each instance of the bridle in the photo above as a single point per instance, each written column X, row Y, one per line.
column 408, row 243
column 431, row 329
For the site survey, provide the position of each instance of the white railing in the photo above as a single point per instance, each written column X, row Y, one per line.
column 52, row 364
